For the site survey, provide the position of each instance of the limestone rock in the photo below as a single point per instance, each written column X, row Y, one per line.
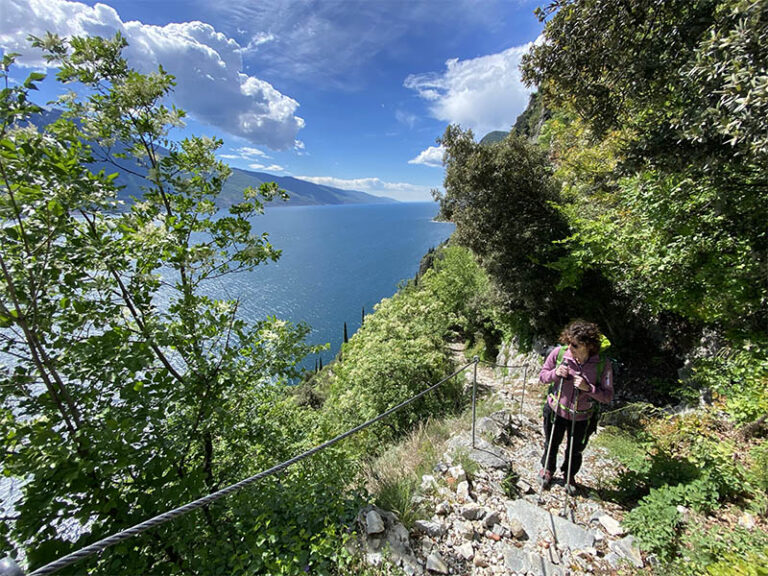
column 433, row 529
column 524, row 487
column 484, row 453
column 435, row 563
column 611, row 525
column 472, row 512
column 538, row 522
column 491, row 519
column 626, row 548
column 388, row 534
column 466, row 551
column 462, row 492
column 517, row 530
column 747, row 521
column 373, row 523
column 517, row 560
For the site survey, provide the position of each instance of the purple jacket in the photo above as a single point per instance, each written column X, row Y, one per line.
column 598, row 391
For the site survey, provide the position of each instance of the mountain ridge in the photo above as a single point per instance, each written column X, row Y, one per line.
column 301, row 192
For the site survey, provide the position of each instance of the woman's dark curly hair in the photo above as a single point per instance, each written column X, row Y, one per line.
column 582, row 332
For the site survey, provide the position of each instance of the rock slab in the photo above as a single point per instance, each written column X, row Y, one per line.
column 523, row 562
column 484, row 453
column 539, row 523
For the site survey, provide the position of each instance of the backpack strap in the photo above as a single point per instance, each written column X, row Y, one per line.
column 560, row 356
column 601, row 359
column 551, row 391
column 597, row 408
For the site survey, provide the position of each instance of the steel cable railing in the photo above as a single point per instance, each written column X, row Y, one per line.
column 9, row 568
column 508, row 366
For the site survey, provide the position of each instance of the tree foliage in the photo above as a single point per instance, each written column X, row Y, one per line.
column 400, row 351
column 500, row 198
column 659, row 127
column 127, row 390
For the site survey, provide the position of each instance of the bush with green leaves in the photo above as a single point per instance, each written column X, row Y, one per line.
column 759, row 468
column 400, row 351
column 740, row 376
column 655, row 522
column 721, row 551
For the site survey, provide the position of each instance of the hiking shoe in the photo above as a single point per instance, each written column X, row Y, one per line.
column 545, row 478
column 570, row 488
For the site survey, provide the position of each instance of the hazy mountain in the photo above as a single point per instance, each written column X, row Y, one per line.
column 301, row 192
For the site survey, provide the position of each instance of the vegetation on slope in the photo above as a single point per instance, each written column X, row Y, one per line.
column 651, row 201
column 130, row 393
column 642, row 205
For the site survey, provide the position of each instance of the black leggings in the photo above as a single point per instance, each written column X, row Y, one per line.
column 581, row 432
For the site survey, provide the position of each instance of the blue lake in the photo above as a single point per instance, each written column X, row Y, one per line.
column 336, row 260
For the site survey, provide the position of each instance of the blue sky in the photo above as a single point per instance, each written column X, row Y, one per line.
column 349, row 93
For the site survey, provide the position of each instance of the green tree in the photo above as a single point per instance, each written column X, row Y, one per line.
column 129, row 391
column 500, row 198
column 668, row 96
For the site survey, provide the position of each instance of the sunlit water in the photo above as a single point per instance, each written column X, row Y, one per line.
column 336, row 261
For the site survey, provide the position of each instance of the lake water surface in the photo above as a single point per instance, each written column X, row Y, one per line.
column 336, row 261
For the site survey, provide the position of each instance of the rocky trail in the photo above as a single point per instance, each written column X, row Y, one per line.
column 496, row 519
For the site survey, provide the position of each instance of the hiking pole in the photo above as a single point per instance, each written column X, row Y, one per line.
column 570, row 449
column 551, row 436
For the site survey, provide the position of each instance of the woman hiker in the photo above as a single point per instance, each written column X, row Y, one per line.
column 576, row 371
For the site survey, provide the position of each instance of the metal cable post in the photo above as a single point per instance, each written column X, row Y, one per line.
column 475, row 360
column 522, row 398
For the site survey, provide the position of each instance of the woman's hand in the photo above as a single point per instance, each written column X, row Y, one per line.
column 580, row 383
column 562, row 371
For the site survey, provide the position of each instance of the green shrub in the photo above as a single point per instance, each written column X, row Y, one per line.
column 721, row 551
column 758, row 472
column 753, row 564
column 400, row 351
column 740, row 377
column 655, row 522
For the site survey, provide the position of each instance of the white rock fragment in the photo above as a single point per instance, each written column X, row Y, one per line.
column 462, row 492
column 466, row 551
column 611, row 525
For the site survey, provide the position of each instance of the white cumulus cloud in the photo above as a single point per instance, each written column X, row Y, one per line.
column 402, row 191
column 432, row 156
column 483, row 94
column 207, row 65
